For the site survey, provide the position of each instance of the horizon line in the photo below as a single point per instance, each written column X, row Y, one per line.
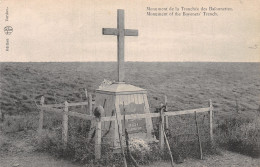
column 130, row 61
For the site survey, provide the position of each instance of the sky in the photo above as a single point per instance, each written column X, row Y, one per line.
column 71, row 30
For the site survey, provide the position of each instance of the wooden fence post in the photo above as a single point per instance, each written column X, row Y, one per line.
column 65, row 125
column 198, row 135
column 1, row 116
column 82, row 106
column 98, row 140
column 211, row 121
column 166, row 109
column 86, row 93
column 237, row 106
column 161, row 130
column 90, row 103
column 41, row 117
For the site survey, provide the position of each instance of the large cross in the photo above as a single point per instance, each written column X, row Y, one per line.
column 120, row 32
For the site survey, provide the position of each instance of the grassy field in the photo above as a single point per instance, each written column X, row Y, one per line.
column 233, row 87
column 187, row 85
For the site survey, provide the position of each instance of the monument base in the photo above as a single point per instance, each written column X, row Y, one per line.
column 119, row 99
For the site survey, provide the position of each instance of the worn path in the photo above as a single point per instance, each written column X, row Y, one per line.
column 228, row 159
column 15, row 152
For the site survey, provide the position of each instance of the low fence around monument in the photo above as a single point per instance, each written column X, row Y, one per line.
column 164, row 122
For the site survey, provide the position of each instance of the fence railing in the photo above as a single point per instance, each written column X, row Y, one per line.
column 64, row 110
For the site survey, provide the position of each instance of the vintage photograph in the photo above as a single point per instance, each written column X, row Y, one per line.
column 120, row 83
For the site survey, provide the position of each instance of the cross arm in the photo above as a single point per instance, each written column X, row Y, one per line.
column 130, row 32
column 109, row 31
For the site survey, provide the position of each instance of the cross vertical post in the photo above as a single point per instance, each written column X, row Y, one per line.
column 120, row 32
column 120, row 44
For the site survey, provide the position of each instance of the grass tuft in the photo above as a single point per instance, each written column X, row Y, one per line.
column 240, row 133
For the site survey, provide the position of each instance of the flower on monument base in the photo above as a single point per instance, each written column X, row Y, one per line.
column 105, row 83
column 138, row 145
